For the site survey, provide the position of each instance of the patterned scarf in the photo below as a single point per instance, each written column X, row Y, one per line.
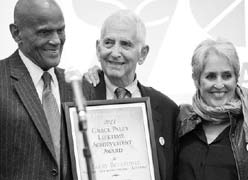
column 215, row 115
column 220, row 114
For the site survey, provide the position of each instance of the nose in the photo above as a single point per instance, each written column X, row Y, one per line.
column 219, row 84
column 116, row 51
column 55, row 39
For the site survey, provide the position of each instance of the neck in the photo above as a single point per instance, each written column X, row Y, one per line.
column 121, row 82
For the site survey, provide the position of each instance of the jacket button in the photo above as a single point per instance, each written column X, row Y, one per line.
column 161, row 141
column 54, row 172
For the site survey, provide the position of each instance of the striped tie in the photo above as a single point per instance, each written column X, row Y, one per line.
column 52, row 112
column 122, row 93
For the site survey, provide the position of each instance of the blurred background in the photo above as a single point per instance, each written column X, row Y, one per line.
column 174, row 29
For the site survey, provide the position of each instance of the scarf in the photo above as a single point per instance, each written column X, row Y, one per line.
column 215, row 115
column 220, row 114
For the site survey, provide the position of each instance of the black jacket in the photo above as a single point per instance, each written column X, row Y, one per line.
column 164, row 114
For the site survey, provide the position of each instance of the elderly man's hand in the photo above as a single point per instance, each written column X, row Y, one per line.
column 92, row 75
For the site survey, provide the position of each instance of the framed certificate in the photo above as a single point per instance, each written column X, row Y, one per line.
column 121, row 140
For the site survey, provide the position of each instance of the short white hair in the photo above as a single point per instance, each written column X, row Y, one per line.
column 127, row 16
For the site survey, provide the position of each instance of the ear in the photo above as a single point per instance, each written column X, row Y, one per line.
column 144, row 51
column 98, row 49
column 15, row 32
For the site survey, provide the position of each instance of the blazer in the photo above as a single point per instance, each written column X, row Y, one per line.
column 164, row 114
column 27, row 151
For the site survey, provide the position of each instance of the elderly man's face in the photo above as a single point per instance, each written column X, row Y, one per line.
column 42, row 37
column 119, row 51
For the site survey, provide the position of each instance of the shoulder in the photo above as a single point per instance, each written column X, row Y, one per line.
column 89, row 85
column 5, row 63
column 186, row 111
column 86, row 84
column 59, row 71
column 158, row 97
column 187, row 119
column 89, row 90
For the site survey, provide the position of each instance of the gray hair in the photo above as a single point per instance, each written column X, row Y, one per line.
column 219, row 47
column 126, row 16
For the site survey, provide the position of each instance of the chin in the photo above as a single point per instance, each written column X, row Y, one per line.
column 51, row 65
column 114, row 74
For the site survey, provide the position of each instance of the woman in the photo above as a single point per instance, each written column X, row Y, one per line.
column 213, row 132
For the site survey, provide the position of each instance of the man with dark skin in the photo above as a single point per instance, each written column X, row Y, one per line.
column 32, row 146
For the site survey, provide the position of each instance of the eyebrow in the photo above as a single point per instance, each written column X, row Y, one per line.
column 227, row 72
column 45, row 27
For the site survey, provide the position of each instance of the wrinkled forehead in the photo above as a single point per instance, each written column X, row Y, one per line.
column 119, row 26
column 48, row 17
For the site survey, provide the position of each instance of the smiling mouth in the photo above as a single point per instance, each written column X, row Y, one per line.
column 219, row 94
column 115, row 63
column 52, row 50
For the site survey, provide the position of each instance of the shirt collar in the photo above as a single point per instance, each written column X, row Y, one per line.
column 35, row 71
column 131, row 87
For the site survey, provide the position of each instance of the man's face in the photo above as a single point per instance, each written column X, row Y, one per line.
column 119, row 51
column 42, row 38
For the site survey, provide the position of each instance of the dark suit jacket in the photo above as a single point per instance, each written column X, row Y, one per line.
column 164, row 113
column 27, row 151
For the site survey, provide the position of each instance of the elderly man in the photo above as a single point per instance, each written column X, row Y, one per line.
column 120, row 48
column 32, row 130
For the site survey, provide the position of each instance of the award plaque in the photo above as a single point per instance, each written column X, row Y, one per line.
column 121, row 140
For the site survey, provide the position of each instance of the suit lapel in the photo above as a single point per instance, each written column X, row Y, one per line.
column 29, row 97
column 65, row 90
column 154, row 104
column 157, row 119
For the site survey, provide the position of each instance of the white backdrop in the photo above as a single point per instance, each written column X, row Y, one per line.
column 174, row 28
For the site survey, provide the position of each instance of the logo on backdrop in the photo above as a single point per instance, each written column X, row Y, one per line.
column 226, row 19
column 221, row 18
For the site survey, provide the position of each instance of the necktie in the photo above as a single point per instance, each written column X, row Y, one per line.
column 52, row 113
column 122, row 93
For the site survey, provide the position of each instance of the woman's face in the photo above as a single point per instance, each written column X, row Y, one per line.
column 217, row 81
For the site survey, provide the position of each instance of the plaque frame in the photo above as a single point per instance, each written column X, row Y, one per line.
column 78, row 167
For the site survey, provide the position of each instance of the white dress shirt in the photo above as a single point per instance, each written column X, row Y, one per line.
column 36, row 73
column 132, row 88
